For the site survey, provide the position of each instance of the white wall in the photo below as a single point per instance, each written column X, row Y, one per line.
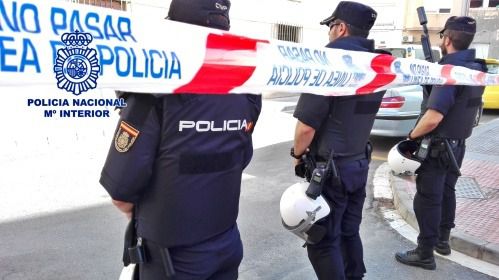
column 255, row 18
column 149, row 8
column 482, row 49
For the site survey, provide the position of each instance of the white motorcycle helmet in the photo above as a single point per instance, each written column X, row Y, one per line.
column 401, row 158
column 299, row 213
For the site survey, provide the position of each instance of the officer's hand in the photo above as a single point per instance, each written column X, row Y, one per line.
column 125, row 207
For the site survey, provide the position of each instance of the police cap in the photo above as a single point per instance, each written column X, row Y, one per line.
column 209, row 13
column 464, row 24
column 355, row 14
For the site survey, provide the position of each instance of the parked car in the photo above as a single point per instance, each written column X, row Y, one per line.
column 491, row 93
column 401, row 106
column 399, row 111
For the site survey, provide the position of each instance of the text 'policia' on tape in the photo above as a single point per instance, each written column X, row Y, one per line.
column 79, row 48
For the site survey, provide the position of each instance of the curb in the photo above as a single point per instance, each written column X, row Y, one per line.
column 460, row 241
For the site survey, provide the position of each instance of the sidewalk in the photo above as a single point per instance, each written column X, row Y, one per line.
column 477, row 192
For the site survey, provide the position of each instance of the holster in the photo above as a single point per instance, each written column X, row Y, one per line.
column 137, row 253
column 438, row 149
column 441, row 148
column 166, row 259
column 133, row 251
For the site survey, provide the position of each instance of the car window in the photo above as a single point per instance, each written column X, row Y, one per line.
column 493, row 68
column 436, row 55
column 397, row 52
column 420, row 54
column 411, row 52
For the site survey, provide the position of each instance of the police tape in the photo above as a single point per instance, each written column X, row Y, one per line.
column 78, row 48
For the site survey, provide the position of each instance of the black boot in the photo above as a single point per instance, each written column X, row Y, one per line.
column 421, row 256
column 443, row 247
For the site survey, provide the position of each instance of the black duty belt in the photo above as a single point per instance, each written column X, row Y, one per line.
column 452, row 142
column 344, row 159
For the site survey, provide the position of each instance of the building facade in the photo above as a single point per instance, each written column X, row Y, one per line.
column 298, row 20
column 486, row 42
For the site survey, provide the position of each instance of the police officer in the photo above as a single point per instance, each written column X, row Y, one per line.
column 447, row 120
column 340, row 125
column 176, row 162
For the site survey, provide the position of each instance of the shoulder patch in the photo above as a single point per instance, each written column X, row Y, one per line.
column 125, row 137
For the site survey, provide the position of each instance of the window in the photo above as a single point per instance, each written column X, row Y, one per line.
column 436, row 7
column 494, row 3
column 285, row 32
column 476, row 3
column 484, row 3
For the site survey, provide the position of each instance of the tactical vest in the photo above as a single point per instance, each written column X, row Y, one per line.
column 348, row 127
column 458, row 123
column 205, row 145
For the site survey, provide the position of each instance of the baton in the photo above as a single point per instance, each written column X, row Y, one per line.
column 452, row 157
column 167, row 263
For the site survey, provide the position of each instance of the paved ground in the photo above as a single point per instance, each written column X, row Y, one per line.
column 85, row 244
column 62, row 226
column 477, row 192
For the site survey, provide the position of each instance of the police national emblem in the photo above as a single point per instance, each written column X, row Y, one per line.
column 76, row 66
column 125, row 137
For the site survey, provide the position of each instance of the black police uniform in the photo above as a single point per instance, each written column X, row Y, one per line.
column 342, row 125
column 435, row 200
column 179, row 159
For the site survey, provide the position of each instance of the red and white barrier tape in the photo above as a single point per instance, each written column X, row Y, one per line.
column 160, row 56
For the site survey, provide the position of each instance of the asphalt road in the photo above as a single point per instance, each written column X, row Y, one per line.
column 86, row 243
column 489, row 115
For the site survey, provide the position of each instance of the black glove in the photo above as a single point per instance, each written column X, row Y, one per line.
column 304, row 170
column 300, row 169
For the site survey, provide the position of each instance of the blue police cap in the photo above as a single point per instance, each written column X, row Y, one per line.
column 353, row 13
column 464, row 24
column 209, row 13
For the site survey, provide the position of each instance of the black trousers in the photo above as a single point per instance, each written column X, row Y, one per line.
column 435, row 199
column 217, row 258
column 340, row 254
